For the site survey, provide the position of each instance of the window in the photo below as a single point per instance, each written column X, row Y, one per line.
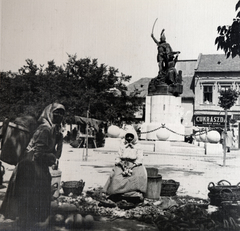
column 207, row 94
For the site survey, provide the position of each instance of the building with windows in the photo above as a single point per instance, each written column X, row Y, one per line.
column 214, row 73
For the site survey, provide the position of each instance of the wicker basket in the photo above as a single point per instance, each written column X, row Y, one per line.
column 74, row 187
column 223, row 184
column 220, row 193
column 169, row 187
column 225, row 195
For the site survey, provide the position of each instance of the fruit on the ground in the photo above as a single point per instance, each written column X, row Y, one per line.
column 54, row 205
column 88, row 221
column 69, row 221
column 59, row 219
column 66, row 207
column 78, row 221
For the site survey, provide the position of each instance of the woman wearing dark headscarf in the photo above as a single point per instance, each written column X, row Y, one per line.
column 28, row 196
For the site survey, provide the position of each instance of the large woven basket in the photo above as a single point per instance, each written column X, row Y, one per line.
column 223, row 184
column 221, row 192
column 226, row 195
column 74, row 187
column 169, row 187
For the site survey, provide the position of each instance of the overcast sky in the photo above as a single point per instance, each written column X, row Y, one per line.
column 116, row 32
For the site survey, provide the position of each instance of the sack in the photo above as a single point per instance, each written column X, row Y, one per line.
column 16, row 138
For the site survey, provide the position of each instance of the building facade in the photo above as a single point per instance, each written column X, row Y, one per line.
column 212, row 74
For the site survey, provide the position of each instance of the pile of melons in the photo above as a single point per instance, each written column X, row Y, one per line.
column 66, row 214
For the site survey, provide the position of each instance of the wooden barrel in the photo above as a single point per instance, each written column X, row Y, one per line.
column 154, row 184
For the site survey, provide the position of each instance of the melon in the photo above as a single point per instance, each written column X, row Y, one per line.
column 78, row 221
column 59, row 219
column 88, row 221
column 69, row 221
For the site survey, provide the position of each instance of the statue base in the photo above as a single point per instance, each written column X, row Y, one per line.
column 163, row 110
column 164, row 89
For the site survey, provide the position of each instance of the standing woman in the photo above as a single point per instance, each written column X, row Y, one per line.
column 28, row 196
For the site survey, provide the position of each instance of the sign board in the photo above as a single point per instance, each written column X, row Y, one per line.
column 210, row 120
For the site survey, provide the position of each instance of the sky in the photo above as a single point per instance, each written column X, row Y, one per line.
column 116, row 32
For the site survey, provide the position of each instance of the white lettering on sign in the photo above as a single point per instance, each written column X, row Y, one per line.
column 210, row 120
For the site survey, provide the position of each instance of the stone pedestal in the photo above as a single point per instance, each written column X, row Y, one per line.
column 162, row 146
column 214, row 149
column 167, row 110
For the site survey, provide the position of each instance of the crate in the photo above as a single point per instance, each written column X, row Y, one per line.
column 169, row 187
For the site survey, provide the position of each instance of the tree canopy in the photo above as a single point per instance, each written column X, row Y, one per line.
column 229, row 36
column 80, row 85
column 228, row 98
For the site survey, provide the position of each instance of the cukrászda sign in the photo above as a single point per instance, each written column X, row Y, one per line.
column 210, row 120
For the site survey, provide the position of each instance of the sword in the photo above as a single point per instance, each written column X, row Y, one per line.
column 154, row 25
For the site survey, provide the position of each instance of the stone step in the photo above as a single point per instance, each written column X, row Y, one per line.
column 171, row 147
column 173, row 150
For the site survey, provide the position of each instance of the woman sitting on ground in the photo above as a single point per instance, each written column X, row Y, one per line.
column 128, row 180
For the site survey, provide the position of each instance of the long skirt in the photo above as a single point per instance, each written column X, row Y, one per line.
column 119, row 184
column 28, row 196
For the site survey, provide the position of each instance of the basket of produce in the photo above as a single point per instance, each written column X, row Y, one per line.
column 223, row 184
column 107, row 203
column 74, row 187
column 183, row 200
column 223, row 196
column 169, row 187
column 223, row 191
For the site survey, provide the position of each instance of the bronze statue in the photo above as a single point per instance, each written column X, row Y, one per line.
column 165, row 52
column 168, row 80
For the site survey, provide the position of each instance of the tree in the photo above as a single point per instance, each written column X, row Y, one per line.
column 227, row 99
column 30, row 68
column 229, row 36
column 81, row 84
column 94, row 87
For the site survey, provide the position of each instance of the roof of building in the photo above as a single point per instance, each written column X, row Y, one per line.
column 141, row 85
column 217, row 63
column 186, row 66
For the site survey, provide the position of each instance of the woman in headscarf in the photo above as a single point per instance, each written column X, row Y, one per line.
column 128, row 180
column 28, row 196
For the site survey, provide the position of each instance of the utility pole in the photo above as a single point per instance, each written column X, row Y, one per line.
column 224, row 139
column 87, row 132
